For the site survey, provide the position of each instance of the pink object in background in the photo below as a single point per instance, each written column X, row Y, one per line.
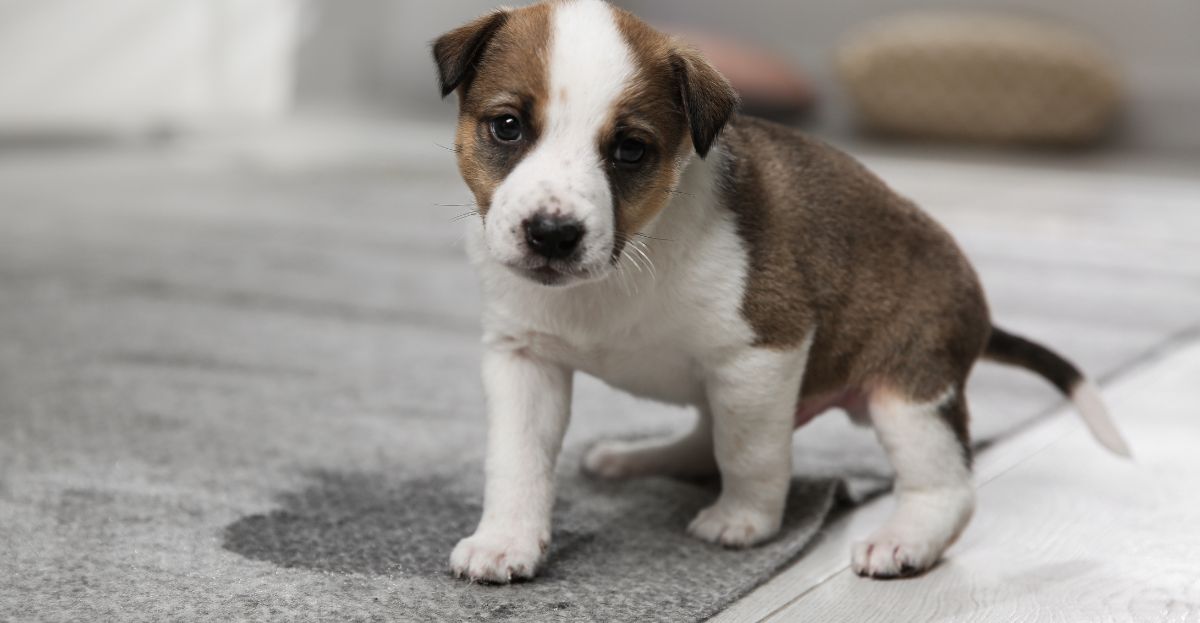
column 770, row 85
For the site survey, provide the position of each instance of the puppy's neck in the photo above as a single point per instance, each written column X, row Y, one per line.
column 694, row 201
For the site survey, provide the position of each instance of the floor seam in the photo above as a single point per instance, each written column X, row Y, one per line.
column 1173, row 343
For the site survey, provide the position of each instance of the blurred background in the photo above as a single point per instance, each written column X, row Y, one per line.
column 71, row 68
column 232, row 278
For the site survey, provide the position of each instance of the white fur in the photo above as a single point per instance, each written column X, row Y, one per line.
column 934, row 494
column 666, row 325
column 753, row 395
column 528, row 406
column 651, row 327
column 668, row 328
column 565, row 174
column 1086, row 397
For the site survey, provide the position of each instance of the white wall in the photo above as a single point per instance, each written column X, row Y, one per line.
column 373, row 55
column 130, row 64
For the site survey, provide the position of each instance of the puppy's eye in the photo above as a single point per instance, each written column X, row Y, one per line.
column 629, row 151
column 506, row 128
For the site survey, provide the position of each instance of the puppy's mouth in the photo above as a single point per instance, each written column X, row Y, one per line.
column 553, row 273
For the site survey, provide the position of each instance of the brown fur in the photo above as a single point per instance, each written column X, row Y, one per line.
column 680, row 101
column 708, row 98
column 457, row 51
column 506, row 53
column 676, row 101
column 890, row 296
column 650, row 110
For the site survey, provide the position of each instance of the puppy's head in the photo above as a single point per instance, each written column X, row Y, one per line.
column 575, row 121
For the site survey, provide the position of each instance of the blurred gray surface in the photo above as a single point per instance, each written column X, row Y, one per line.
column 240, row 381
column 373, row 54
column 229, row 395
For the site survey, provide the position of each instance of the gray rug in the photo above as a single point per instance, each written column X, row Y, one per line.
column 619, row 552
column 253, row 395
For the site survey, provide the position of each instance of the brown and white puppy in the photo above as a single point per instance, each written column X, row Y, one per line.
column 762, row 278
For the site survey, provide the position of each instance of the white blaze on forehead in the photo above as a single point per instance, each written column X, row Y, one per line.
column 590, row 67
column 565, row 174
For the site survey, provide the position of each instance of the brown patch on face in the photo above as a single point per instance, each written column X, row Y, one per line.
column 649, row 111
column 833, row 250
column 506, row 55
column 655, row 110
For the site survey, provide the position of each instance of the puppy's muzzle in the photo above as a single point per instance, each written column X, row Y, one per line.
column 553, row 237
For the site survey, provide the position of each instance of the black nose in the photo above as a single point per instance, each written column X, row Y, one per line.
column 552, row 236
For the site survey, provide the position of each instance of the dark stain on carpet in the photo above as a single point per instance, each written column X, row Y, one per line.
column 359, row 523
column 371, row 524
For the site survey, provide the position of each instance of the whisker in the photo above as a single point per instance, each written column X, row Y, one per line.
column 456, row 205
column 464, row 216
column 624, row 274
column 619, row 270
column 643, row 250
column 632, row 258
column 632, row 279
column 640, row 234
column 649, row 262
column 456, row 149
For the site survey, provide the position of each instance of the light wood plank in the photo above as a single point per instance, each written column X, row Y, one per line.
column 1064, row 532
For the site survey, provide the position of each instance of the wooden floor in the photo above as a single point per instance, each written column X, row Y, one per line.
column 1101, row 260
column 1063, row 530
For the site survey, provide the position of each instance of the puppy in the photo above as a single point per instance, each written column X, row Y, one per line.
column 762, row 278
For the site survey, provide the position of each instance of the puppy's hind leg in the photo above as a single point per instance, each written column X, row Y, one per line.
column 690, row 454
column 926, row 443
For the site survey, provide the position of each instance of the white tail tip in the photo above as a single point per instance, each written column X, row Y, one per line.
column 1086, row 397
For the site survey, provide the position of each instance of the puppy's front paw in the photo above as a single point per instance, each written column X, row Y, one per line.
column 497, row 558
column 885, row 555
column 733, row 526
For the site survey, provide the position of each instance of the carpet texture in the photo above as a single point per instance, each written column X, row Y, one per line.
column 237, row 393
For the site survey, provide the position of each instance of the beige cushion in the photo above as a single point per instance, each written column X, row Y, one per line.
column 980, row 77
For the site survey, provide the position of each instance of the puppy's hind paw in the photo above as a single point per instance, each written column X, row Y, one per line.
column 885, row 557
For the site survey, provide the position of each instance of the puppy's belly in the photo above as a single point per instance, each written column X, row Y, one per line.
column 852, row 401
column 653, row 373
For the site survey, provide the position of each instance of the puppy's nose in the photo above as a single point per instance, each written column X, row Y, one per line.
column 553, row 237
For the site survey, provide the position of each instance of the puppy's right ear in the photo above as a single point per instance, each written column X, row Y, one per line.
column 457, row 51
column 708, row 99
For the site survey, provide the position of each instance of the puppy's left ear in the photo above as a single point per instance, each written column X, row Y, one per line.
column 457, row 51
column 708, row 99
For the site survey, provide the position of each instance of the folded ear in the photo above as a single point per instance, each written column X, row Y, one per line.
column 457, row 51
column 708, row 99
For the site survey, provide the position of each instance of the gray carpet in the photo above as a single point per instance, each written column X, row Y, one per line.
column 229, row 392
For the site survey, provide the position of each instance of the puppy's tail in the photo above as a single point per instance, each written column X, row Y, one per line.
column 1007, row 348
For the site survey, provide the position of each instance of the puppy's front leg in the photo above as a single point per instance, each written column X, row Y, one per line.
column 753, row 397
column 528, row 405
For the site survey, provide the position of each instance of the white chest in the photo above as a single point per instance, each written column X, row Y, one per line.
column 652, row 329
column 662, row 364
